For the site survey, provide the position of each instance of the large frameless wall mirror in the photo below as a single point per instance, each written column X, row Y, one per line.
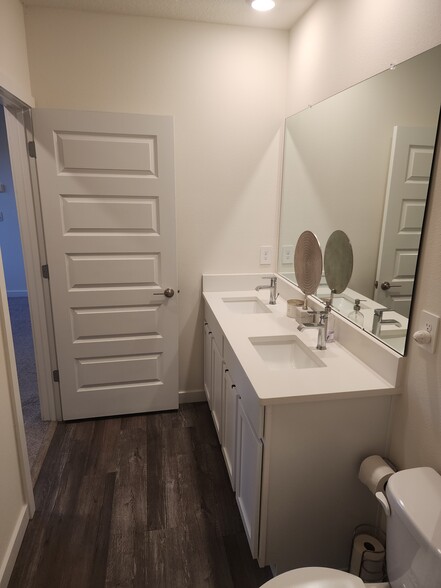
column 360, row 162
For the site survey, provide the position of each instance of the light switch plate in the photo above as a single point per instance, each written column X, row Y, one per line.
column 429, row 322
column 288, row 254
column 266, row 255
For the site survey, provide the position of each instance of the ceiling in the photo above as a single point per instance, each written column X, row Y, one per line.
column 231, row 12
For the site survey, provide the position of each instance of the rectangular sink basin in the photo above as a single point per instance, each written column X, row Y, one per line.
column 250, row 305
column 285, row 352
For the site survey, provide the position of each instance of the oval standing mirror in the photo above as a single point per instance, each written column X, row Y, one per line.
column 338, row 262
column 308, row 263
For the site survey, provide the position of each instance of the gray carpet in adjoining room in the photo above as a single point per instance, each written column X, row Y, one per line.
column 36, row 429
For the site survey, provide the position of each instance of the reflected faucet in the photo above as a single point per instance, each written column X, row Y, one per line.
column 378, row 321
column 322, row 326
column 272, row 286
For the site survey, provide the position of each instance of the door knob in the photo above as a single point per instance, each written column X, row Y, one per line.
column 387, row 285
column 168, row 293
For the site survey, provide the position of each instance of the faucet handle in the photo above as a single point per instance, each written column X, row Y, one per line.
column 323, row 316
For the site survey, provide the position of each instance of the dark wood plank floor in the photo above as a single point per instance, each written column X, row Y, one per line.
column 142, row 501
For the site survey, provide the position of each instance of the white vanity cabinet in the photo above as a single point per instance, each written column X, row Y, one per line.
column 236, row 416
column 293, row 461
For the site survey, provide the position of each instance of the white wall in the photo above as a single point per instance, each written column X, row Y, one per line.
column 14, row 69
column 10, row 243
column 338, row 43
column 225, row 86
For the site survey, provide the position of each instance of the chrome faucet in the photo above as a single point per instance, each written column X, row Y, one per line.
column 321, row 326
column 272, row 287
column 378, row 321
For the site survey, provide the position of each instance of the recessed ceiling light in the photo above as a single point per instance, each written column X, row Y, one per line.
column 263, row 5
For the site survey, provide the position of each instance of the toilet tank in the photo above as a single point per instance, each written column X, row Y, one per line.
column 414, row 529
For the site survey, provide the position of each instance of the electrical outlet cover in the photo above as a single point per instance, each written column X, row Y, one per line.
column 429, row 322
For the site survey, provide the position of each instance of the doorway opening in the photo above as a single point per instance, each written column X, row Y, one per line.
column 38, row 432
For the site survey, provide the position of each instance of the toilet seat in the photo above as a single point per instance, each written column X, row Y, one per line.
column 315, row 578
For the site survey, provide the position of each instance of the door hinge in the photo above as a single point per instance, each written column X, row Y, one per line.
column 45, row 271
column 31, row 149
column 56, row 376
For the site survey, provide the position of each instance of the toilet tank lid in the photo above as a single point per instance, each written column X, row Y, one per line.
column 415, row 496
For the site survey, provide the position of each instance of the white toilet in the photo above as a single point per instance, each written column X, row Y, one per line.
column 413, row 544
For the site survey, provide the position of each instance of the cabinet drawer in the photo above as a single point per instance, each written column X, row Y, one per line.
column 250, row 401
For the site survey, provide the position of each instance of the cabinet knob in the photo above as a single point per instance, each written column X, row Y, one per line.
column 226, row 370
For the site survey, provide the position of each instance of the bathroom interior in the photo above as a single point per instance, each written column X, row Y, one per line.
column 277, row 129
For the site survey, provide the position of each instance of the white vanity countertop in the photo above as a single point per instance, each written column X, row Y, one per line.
column 344, row 375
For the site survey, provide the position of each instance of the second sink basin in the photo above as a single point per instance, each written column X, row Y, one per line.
column 245, row 305
column 285, row 352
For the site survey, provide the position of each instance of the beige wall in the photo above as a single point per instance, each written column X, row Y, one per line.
column 336, row 44
column 14, row 77
column 226, row 88
column 14, row 69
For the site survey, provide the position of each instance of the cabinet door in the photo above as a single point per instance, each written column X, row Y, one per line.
column 217, row 370
column 208, row 337
column 248, row 480
column 229, row 422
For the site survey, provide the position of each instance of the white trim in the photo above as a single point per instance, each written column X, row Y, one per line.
column 13, row 548
column 264, row 496
column 186, row 396
column 29, row 237
column 14, row 392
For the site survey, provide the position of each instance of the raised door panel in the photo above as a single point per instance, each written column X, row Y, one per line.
column 248, row 484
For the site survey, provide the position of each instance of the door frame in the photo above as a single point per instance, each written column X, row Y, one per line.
column 24, row 173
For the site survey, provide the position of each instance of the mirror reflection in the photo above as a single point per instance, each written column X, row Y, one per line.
column 360, row 162
column 338, row 262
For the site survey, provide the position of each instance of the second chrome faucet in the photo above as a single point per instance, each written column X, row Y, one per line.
column 272, row 287
column 321, row 326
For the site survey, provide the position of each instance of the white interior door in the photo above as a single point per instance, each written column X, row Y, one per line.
column 409, row 174
column 107, row 196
